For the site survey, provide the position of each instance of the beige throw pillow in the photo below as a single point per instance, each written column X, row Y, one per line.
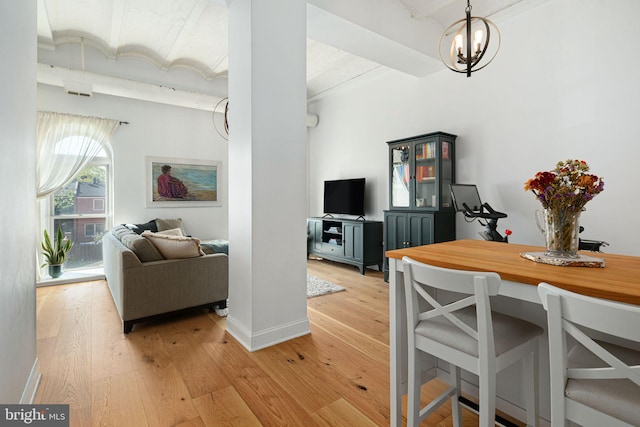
column 175, row 247
column 171, row 232
column 168, row 224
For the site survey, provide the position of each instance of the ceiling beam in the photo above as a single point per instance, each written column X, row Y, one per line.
column 60, row 76
column 125, row 88
column 333, row 30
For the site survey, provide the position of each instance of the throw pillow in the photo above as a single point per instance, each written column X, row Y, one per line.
column 144, row 249
column 175, row 247
column 171, row 232
column 217, row 246
column 168, row 224
column 139, row 228
column 120, row 230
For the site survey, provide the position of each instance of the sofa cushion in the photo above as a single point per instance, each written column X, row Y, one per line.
column 144, row 250
column 168, row 224
column 120, row 230
column 174, row 247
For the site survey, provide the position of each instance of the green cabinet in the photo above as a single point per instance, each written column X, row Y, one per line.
column 352, row 238
column 405, row 229
column 354, row 242
column 314, row 230
column 420, row 171
column 421, row 210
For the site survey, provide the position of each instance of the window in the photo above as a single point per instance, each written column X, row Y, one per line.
column 98, row 205
column 81, row 209
column 93, row 230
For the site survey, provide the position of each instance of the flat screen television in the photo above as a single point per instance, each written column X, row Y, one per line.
column 344, row 196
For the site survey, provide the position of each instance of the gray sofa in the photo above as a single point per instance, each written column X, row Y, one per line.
column 146, row 286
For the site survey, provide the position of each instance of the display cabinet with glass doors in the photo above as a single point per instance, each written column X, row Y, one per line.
column 420, row 210
column 421, row 169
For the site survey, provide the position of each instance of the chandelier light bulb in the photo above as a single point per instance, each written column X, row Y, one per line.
column 478, row 40
column 459, row 43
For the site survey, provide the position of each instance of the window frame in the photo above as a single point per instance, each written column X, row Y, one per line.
column 107, row 214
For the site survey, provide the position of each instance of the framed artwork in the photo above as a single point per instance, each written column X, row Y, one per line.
column 183, row 182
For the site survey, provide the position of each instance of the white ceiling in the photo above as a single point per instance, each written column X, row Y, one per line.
column 186, row 40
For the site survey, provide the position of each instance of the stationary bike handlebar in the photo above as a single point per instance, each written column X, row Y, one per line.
column 491, row 216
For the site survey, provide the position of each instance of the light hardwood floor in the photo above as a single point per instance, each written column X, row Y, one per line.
column 187, row 371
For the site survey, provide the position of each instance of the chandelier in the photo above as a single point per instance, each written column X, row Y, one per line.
column 223, row 113
column 466, row 55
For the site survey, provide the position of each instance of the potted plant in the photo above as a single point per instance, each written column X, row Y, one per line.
column 55, row 253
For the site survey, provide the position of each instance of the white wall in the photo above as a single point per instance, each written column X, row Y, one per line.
column 157, row 130
column 562, row 86
column 18, row 361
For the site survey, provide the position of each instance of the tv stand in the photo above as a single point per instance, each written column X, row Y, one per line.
column 351, row 241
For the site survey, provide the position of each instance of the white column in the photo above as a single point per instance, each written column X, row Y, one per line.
column 19, row 373
column 267, row 171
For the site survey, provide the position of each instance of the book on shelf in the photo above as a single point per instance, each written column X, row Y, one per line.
column 426, row 151
column 425, row 173
column 431, row 150
column 445, row 150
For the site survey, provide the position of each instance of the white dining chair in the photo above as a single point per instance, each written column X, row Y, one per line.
column 468, row 335
column 593, row 382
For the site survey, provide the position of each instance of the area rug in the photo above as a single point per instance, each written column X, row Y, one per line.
column 315, row 287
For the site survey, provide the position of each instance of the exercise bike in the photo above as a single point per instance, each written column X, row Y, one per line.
column 590, row 245
column 466, row 199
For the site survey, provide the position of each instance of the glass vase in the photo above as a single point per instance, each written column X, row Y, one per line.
column 561, row 228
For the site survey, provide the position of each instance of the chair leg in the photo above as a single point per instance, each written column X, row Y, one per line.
column 413, row 388
column 456, row 410
column 530, row 382
column 487, row 396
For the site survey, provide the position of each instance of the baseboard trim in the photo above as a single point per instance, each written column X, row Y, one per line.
column 69, row 278
column 31, row 387
column 254, row 341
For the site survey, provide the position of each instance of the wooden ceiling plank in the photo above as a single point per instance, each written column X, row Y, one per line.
column 45, row 34
column 196, row 13
column 423, row 9
column 117, row 14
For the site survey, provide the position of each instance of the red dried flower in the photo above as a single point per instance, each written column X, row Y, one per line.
column 568, row 186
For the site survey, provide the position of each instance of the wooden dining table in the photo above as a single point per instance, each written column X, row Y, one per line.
column 618, row 280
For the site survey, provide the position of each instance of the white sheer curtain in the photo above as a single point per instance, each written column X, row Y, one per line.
column 66, row 143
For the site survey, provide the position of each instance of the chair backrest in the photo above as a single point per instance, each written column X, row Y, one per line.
column 570, row 313
column 474, row 287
